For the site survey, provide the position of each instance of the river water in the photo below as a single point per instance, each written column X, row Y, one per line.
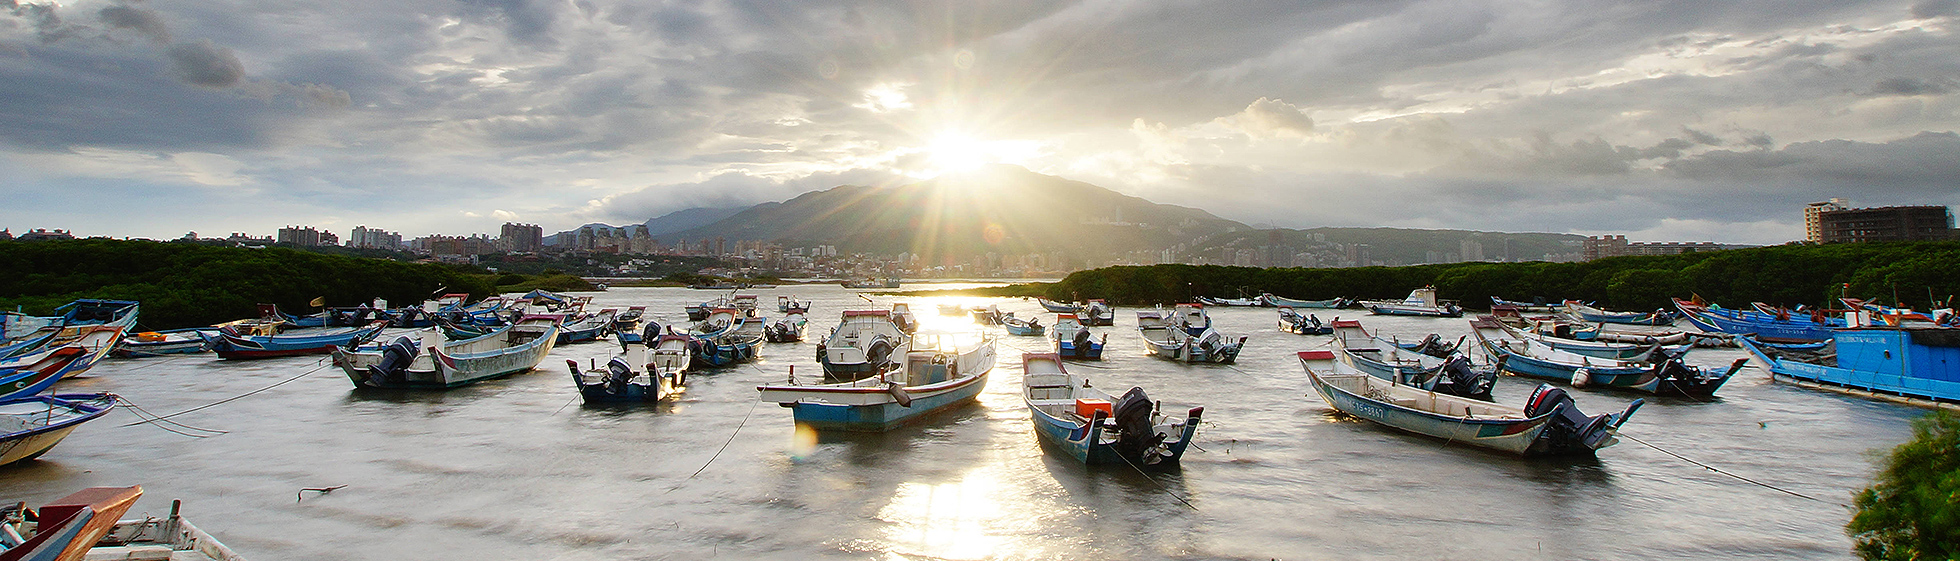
column 518, row 469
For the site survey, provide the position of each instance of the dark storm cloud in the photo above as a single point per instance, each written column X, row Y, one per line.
column 1908, row 86
column 204, row 63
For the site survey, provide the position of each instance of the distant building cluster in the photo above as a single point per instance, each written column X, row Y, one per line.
column 1597, row 247
column 306, row 236
column 1833, row 221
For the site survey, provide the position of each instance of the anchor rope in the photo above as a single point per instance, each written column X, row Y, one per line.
column 1720, row 471
column 158, row 421
column 323, row 366
column 724, row 448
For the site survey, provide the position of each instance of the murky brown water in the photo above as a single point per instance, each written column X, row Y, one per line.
column 517, row 469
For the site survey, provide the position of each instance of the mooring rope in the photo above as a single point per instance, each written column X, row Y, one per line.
column 1153, row 482
column 149, row 417
column 233, row 398
column 724, row 448
column 1719, row 470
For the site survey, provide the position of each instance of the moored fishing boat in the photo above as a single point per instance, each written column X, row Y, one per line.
column 1538, row 305
column 434, row 362
column 1023, row 327
column 31, row 373
column 231, row 344
column 1271, row 299
column 989, row 315
column 1292, row 322
column 1916, row 365
column 726, row 337
column 1058, row 307
column 32, row 425
column 789, row 329
column 1581, row 312
column 1239, row 302
column 1097, row 313
column 864, row 343
column 1074, row 341
column 1420, row 302
column 588, row 327
column 628, row 377
column 1597, row 348
column 1093, row 427
column 1549, row 424
column 888, row 282
column 1667, row 375
column 84, row 525
column 941, row 371
column 791, row 305
column 1451, row 373
column 1186, row 335
column 671, row 352
column 167, row 342
column 1764, row 327
column 15, row 326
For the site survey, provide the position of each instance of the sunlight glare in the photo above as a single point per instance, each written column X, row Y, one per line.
column 953, row 152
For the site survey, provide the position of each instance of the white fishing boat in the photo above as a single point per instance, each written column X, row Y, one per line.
column 1420, row 302
column 433, row 362
column 1186, row 335
column 865, row 343
column 941, row 371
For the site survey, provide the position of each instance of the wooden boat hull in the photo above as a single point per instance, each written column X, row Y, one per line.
column 1509, row 436
column 885, row 414
column 29, row 432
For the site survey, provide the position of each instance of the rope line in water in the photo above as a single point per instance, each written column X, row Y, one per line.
column 724, row 448
column 1719, row 470
column 149, row 417
column 1153, row 482
column 233, row 398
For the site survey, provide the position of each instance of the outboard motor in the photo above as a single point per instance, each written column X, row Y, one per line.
column 618, row 374
column 1081, row 340
column 1135, row 433
column 651, row 333
column 1570, row 429
column 1465, row 380
column 394, row 360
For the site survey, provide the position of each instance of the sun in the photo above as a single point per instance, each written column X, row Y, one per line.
column 956, row 152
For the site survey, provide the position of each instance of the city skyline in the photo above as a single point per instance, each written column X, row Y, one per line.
column 1665, row 121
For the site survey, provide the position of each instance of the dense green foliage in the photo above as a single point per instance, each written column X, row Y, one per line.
column 188, row 284
column 1785, row 275
column 1912, row 511
column 597, row 264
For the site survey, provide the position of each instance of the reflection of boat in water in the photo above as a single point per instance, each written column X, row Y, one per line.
column 1095, row 428
column 1549, row 424
column 939, row 372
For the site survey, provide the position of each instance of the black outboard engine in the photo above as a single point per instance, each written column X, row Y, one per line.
column 1462, row 379
column 1081, row 340
column 1571, row 429
column 394, row 360
column 618, row 374
column 1136, row 434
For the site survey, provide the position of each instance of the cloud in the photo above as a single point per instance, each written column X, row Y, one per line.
column 203, row 63
column 1274, row 118
column 1908, row 86
column 1929, row 9
column 146, row 22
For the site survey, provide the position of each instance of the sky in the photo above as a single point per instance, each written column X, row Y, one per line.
column 1662, row 121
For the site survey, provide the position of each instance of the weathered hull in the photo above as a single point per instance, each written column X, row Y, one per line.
column 1333, row 303
column 1400, row 310
column 29, row 440
column 449, row 370
column 887, row 413
column 1513, row 436
column 1069, row 350
column 1085, row 443
column 232, row 347
column 1767, row 330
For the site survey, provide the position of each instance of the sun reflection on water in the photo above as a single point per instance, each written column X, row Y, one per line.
column 946, row 520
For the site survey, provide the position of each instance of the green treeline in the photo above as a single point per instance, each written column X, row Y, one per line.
column 187, row 284
column 1784, row 275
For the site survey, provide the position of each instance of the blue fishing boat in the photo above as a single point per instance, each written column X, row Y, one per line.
column 32, row 425
column 726, row 337
column 628, row 378
column 1581, row 312
column 789, row 329
column 941, row 371
column 78, row 318
column 586, row 327
column 1089, row 425
column 1292, row 322
column 1916, row 365
column 34, row 374
column 1765, row 327
column 1669, row 374
column 232, row 344
column 1535, row 305
column 1074, row 341
column 167, row 342
column 1023, row 327
column 1549, row 424
column 1270, row 299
